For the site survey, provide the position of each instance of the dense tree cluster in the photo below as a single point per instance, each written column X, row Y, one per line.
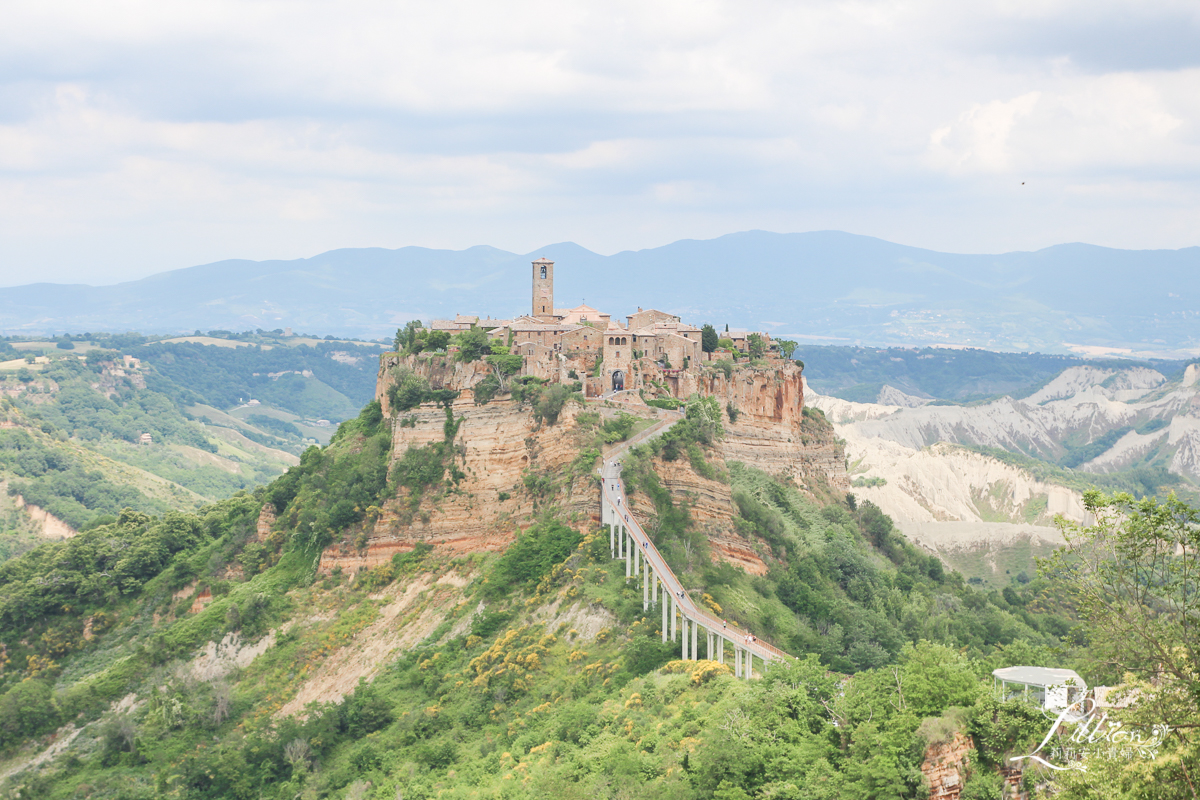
column 333, row 488
column 224, row 377
column 55, row 479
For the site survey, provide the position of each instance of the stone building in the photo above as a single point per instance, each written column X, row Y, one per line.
column 589, row 342
column 543, row 290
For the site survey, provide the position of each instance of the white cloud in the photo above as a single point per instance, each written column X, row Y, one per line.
column 978, row 141
column 138, row 136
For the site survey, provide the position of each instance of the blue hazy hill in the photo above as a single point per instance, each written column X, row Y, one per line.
column 826, row 284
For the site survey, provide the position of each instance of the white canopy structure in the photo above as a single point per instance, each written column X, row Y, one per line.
column 1052, row 689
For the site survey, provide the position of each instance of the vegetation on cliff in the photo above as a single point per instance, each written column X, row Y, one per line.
column 529, row 673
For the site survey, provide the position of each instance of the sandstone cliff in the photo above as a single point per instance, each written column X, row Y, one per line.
column 945, row 767
column 772, row 432
column 511, row 466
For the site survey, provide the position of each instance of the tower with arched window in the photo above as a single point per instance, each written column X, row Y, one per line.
column 543, row 289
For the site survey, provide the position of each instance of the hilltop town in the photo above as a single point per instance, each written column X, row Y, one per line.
column 651, row 350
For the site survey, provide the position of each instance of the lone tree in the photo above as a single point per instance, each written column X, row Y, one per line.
column 406, row 335
column 473, row 344
column 708, row 338
column 787, row 347
column 756, row 345
column 437, row 340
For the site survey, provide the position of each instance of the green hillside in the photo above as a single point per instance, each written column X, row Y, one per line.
column 530, row 673
column 182, row 648
column 101, row 422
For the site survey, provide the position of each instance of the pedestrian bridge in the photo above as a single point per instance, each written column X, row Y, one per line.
column 682, row 618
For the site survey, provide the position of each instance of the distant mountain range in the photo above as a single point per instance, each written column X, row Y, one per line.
column 822, row 287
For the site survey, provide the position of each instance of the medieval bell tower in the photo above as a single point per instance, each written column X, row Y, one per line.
column 543, row 290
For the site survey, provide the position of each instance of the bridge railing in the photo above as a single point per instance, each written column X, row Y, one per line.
column 612, row 493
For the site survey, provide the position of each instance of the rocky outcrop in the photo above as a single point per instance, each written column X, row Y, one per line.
column 266, row 521
column 711, row 507
column 511, row 466
column 771, row 431
column 945, row 767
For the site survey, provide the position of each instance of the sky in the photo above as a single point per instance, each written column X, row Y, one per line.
column 137, row 137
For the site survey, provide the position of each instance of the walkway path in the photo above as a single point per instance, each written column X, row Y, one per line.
column 645, row 565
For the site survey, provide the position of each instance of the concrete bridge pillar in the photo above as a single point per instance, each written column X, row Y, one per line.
column 665, row 605
column 695, row 654
column 674, row 614
column 748, row 667
column 628, row 554
column 737, row 661
column 683, row 623
column 721, row 649
column 708, row 645
column 612, row 540
column 646, row 578
column 637, row 555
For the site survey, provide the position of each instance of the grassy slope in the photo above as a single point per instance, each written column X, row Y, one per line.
column 171, row 473
column 504, row 697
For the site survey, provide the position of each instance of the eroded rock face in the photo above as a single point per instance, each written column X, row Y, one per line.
column 507, row 459
column 945, row 767
column 495, row 448
column 711, row 507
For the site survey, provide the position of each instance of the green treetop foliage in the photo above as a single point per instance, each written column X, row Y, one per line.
column 787, row 347
column 224, row 377
column 407, row 390
column 1134, row 576
column 473, row 344
column 86, row 413
column 333, row 488
column 504, row 365
column 539, row 548
column 55, row 478
column 708, row 338
column 406, row 335
column 756, row 346
column 856, row 591
column 437, row 340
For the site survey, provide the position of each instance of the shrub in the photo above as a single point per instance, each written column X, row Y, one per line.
column 618, row 428
column 861, row 482
column 408, row 389
column 27, row 709
column 486, row 389
column 550, row 403
column 544, row 544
